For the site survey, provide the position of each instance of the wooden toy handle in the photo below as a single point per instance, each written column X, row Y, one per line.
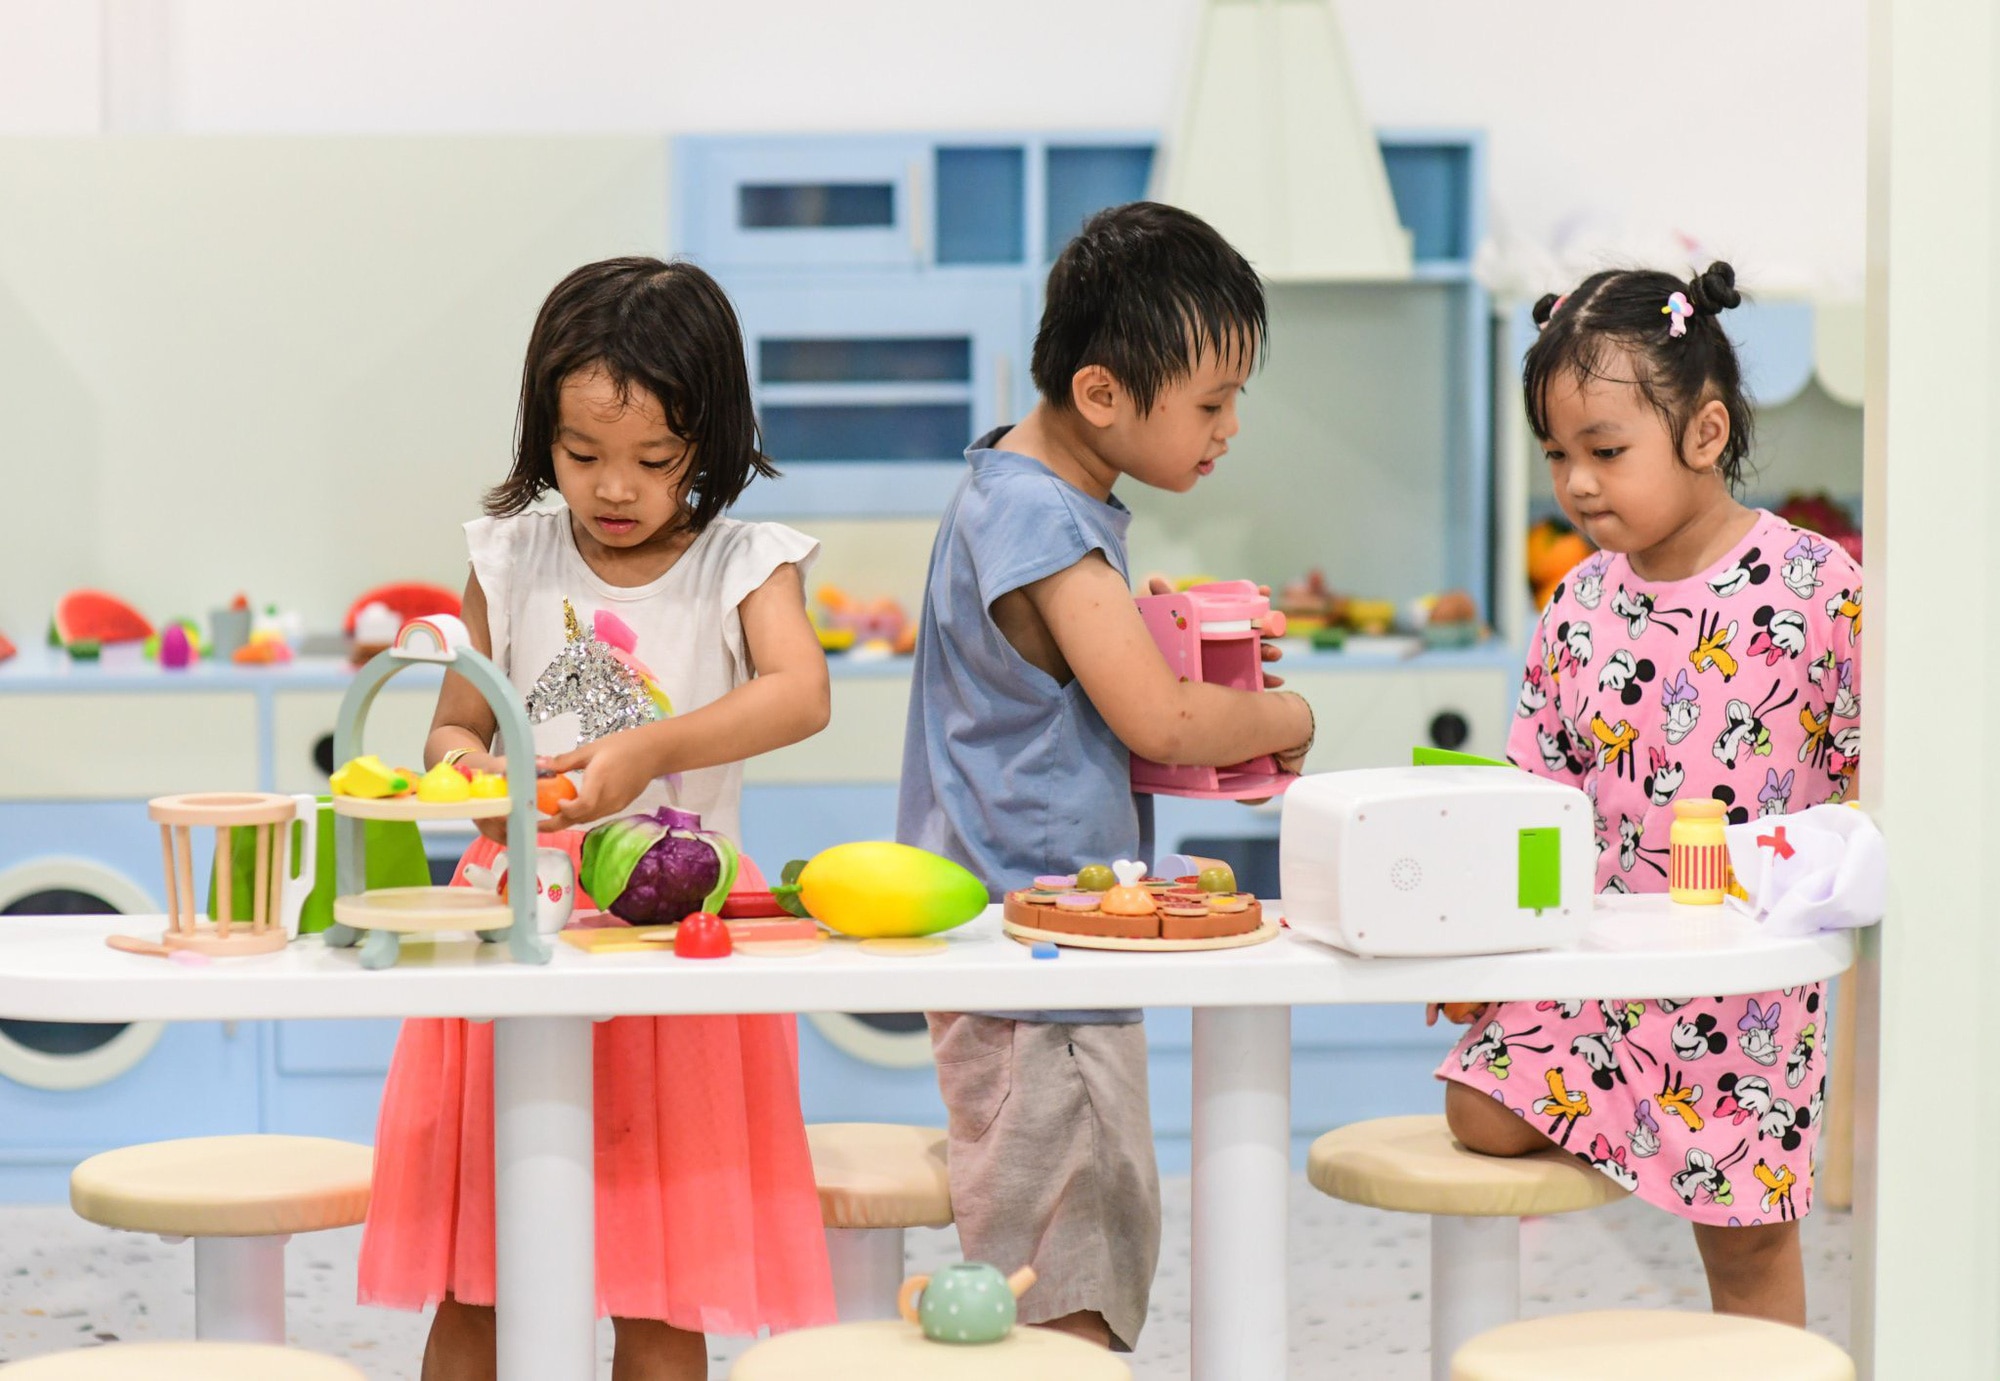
column 1021, row 1281
column 906, row 1298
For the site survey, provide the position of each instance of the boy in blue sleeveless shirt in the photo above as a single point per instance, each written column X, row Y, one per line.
column 1035, row 680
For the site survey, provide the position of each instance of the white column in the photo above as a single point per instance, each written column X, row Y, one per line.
column 868, row 1266
column 546, row 1233
column 1242, row 1175
column 1927, row 1267
column 239, row 1289
column 1475, row 1282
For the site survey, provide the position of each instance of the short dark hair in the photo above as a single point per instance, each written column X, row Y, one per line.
column 1145, row 290
column 1628, row 309
column 664, row 328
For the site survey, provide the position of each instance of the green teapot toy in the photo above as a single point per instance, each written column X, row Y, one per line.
column 968, row 1302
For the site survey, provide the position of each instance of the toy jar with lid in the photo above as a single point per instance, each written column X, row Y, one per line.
column 1698, row 854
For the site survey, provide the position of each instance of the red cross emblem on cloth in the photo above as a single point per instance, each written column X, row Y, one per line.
column 1776, row 842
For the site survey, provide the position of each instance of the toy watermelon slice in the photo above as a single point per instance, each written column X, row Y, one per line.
column 92, row 616
column 411, row 599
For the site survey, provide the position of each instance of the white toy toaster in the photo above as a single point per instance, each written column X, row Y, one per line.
column 1436, row 860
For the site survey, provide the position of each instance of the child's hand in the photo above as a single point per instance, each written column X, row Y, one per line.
column 1459, row 1013
column 615, row 770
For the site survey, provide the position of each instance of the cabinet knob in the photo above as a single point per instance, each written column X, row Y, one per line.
column 1450, row 732
column 323, row 755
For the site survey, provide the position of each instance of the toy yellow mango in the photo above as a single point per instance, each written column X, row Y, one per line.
column 875, row 890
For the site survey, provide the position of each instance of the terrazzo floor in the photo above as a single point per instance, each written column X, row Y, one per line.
column 1358, row 1308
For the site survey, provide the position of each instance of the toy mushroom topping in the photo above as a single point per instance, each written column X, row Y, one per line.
column 1128, row 898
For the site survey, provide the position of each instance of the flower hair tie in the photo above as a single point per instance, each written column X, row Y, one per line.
column 1554, row 307
column 1680, row 309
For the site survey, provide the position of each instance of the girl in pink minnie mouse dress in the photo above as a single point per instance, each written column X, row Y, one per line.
column 1706, row 650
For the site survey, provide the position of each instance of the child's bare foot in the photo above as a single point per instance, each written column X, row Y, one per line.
column 1086, row 1324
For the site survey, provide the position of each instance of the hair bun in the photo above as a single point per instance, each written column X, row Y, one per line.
column 1545, row 308
column 1714, row 289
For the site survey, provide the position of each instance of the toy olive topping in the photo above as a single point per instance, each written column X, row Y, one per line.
column 1096, row 878
column 1216, row 879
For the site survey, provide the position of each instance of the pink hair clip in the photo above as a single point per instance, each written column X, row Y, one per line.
column 1680, row 310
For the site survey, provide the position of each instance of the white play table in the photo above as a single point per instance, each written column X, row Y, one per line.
column 59, row 969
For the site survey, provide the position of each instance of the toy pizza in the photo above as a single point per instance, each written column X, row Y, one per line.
column 1122, row 903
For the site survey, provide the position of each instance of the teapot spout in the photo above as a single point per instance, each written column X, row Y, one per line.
column 1021, row 1281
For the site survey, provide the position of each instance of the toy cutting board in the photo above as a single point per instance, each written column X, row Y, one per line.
column 659, row 939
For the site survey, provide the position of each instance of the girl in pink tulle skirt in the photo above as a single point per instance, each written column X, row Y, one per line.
column 635, row 409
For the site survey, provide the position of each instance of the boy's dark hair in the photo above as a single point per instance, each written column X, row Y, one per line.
column 1145, row 290
column 664, row 328
column 1628, row 309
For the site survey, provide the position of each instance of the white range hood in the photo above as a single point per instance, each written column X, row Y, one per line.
column 1270, row 146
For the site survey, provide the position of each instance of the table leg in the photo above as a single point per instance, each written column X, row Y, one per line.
column 546, row 1202
column 1242, row 1179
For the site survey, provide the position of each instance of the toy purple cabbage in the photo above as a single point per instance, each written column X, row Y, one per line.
column 655, row 869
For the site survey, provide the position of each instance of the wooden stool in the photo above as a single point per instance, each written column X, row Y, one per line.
column 875, row 1180
column 239, row 1198
column 884, row 1351
column 1649, row 1342
column 1475, row 1203
column 182, row 1362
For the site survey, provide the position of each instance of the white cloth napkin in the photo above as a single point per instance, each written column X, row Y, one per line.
column 1823, row 869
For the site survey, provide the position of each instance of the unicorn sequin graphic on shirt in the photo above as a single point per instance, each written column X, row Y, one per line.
column 597, row 678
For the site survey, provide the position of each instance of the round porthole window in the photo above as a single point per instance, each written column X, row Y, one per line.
column 64, row 1055
column 892, row 1040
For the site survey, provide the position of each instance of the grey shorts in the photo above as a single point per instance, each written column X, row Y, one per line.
column 1051, row 1156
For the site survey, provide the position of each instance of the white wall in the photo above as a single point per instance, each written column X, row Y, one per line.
column 286, row 366
column 1738, row 125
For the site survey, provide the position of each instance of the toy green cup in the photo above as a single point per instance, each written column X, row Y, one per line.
column 968, row 1302
column 395, row 858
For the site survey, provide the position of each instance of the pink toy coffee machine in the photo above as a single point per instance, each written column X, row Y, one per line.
column 1213, row 633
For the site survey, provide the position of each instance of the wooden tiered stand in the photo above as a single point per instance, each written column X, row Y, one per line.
column 386, row 914
column 271, row 816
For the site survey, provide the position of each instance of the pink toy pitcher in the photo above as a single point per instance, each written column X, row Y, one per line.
column 1213, row 633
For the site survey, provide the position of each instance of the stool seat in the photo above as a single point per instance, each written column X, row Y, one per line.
column 887, row 1350
column 226, row 1186
column 880, row 1175
column 1639, row 1342
column 183, row 1362
column 1415, row 1165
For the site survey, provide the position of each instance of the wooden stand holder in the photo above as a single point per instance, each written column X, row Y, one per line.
column 224, row 811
